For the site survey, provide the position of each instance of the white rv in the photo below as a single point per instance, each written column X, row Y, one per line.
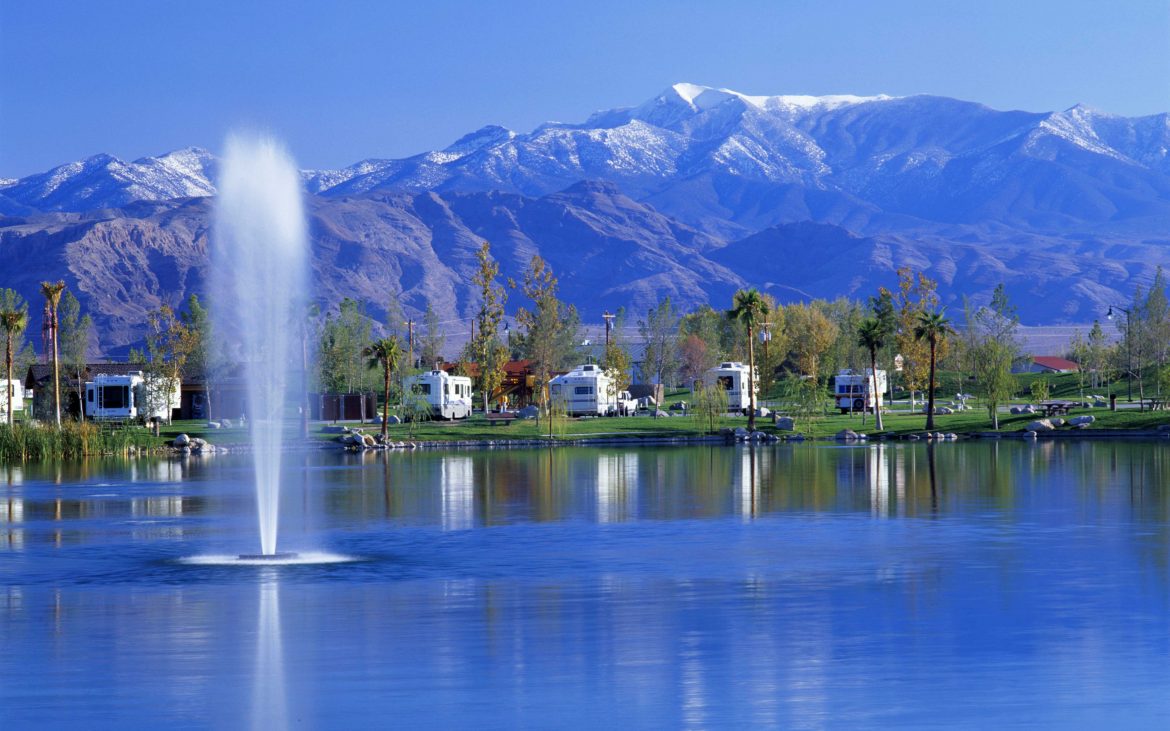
column 585, row 390
column 448, row 396
column 733, row 377
column 11, row 390
column 855, row 391
column 125, row 397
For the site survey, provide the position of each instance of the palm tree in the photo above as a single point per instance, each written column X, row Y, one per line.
column 750, row 308
column 385, row 353
column 871, row 336
column 934, row 328
column 52, row 292
column 14, row 321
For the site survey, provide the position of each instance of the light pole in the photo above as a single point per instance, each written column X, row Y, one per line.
column 608, row 317
column 765, row 338
column 1128, row 349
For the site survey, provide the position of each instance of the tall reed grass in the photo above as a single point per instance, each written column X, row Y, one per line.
column 34, row 442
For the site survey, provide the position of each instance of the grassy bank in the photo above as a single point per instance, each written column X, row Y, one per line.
column 23, row 442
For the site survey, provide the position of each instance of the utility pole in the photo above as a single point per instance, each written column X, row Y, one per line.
column 1128, row 350
column 410, row 343
column 609, row 318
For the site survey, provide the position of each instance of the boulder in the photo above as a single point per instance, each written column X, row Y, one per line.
column 226, row 423
column 763, row 413
column 796, row 438
column 1015, row 410
column 1039, row 425
column 368, row 441
column 1029, row 409
column 1080, row 421
column 846, row 435
column 528, row 412
column 1057, row 421
column 943, row 410
column 212, row 425
column 182, row 441
column 376, row 420
column 393, row 420
column 1030, row 434
column 661, row 414
column 786, row 423
column 740, row 433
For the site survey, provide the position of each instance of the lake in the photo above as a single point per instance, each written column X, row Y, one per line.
column 981, row 584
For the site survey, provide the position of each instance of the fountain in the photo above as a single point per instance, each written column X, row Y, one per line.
column 258, row 283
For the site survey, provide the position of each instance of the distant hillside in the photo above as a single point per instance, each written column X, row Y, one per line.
column 693, row 193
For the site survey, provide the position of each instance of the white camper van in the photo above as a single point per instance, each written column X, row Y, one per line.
column 124, row 398
column 13, row 390
column 584, row 391
column 853, row 391
column 733, row 377
column 448, row 396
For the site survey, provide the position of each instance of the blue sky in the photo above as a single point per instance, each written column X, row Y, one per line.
column 341, row 81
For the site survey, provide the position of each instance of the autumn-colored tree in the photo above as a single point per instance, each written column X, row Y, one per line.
column 916, row 293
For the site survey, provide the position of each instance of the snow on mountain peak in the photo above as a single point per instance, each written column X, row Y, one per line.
column 705, row 97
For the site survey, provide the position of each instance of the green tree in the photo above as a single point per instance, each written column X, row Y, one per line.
column 659, row 332
column 203, row 358
column 871, row 337
column 432, row 342
column 749, row 308
column 14, row 320
column 932, row 328
column 992, row 332
column 550, row 327
column 385, row 354
column 486, row 348
column 710, row 405
column 73, row 335
column 341, row 366
column 52, row 294
column 1098, row 353
column 168, row 345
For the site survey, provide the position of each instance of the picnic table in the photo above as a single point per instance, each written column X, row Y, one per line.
column 500, row 417
column 1056, row 408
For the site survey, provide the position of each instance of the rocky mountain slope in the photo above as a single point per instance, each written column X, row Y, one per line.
column 693, row 193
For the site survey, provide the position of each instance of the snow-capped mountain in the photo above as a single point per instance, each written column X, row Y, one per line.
column 731, row 164
column 693, row 193
column 104, row 181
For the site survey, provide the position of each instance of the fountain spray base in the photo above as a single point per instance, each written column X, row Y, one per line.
column 287, row 556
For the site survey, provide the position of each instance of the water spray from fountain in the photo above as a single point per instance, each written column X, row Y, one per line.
column 258, row 284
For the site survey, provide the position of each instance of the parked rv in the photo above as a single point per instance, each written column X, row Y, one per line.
column 448, row 396
column 854, row 391
column 125, row 398
column 13, row 390
column 584, row 391
column 732, row 376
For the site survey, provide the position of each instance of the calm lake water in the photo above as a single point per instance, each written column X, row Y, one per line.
column 972, row 585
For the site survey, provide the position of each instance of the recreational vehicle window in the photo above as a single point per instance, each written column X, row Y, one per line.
column 114, row 397
column 583, row 390
column 424, row 388
column 727, row 382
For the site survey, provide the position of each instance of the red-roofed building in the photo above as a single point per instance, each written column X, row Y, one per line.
column 1046, row 364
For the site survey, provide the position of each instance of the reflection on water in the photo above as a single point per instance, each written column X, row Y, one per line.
column 269, row 704
column 888, row 585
